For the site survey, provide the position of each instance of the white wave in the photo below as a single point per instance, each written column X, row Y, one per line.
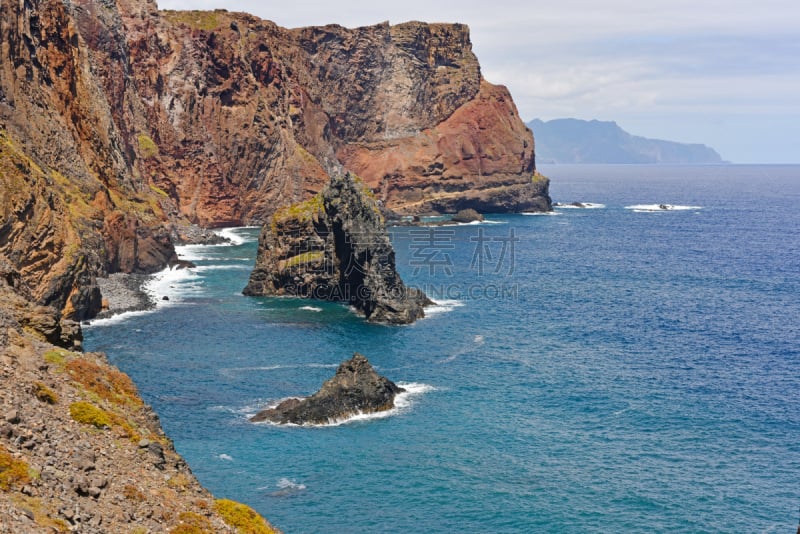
column 537, row 213
column 442, row 306
column 285, row 483
column 311, row 308
column 225, row 457
column 477, row 223
column 174, row 284
column 221, row 267
column 644, row 208
column 478, row 339
column 582, row 206
column 117, row 319
column 402, row 403
column 231, row 371
column 285, row 487
column 232, row 234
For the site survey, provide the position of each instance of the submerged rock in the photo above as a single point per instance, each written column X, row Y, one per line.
column 335, row 247
column 356, row 388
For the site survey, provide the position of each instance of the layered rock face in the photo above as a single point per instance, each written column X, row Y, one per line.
column 355, row 389
column 120, row 122
column 335, row 247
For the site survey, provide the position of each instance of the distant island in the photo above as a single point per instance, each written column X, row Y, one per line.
column 579, row 141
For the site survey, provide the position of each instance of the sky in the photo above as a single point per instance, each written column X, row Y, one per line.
column 722, row 73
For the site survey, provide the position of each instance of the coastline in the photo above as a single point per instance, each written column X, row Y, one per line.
column 123, row 293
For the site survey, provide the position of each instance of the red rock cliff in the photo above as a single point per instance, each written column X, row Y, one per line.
column 117, row 118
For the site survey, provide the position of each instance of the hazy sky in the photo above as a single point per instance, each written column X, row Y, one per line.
column 723, row 73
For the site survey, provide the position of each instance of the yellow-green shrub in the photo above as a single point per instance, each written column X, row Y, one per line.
column 245, row 519
column 192, row 523
column 44, row 393
column 13, row 472
column 89, row 414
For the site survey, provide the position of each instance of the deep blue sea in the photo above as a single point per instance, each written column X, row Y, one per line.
column 611, row 369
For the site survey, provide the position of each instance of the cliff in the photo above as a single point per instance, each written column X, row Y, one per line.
column 335, row 247
column 578, row 141
column 122, row 126
column 79, row 449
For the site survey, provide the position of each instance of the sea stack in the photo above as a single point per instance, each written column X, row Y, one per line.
column 335, row 247
column 355, row 389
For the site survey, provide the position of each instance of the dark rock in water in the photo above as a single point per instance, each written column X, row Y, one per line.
column 165, row 297
column 356, row 388
column 335, row 247
column 467, row 216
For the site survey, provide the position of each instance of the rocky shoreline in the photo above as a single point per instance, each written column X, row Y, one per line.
column 124, row 293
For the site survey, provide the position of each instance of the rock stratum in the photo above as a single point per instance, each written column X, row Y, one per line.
column 355, row 389
column 335, row 247
column 123, row 128
column 121, row 125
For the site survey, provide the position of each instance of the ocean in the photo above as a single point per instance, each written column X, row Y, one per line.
column 613, row 368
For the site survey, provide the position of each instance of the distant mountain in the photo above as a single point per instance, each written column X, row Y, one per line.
column 579, row 141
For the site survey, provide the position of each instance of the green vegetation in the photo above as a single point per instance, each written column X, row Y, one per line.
column 198, row 20
column 245, row 519
column 89, row 414
column 305, row 258
column 56, row 357
column 192, row 523
column 147, row 147
column 157, row 190
column 301, row 212
column 44, row 393
column 13, row 472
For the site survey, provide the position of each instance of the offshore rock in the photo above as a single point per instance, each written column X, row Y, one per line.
column 335, row 247
column 355, row 389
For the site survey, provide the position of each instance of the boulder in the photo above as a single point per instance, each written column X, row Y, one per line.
column 467, row 216
column 356, row 388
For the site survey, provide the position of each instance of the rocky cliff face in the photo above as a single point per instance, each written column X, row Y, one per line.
column 79, row 449
column 120, row 126
column 335, row 247
column 117, row 118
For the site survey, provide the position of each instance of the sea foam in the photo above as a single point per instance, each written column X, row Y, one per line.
column 653, row 208
column 402, row 403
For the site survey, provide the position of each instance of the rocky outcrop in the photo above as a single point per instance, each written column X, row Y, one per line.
column 335, row 247
column 355, row 389
column 467, row 216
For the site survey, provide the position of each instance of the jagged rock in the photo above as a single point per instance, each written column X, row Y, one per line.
column 356, row 388
column 335, row 247
column 467, row 216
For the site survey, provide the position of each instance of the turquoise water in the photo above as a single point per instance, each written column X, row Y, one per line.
column 613, row 369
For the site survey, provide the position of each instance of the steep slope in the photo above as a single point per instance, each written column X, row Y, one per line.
column 578, row 141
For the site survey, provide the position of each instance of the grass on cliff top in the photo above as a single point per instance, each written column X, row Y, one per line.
column 198, row 20
column 242, row 517
column 301, row 212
